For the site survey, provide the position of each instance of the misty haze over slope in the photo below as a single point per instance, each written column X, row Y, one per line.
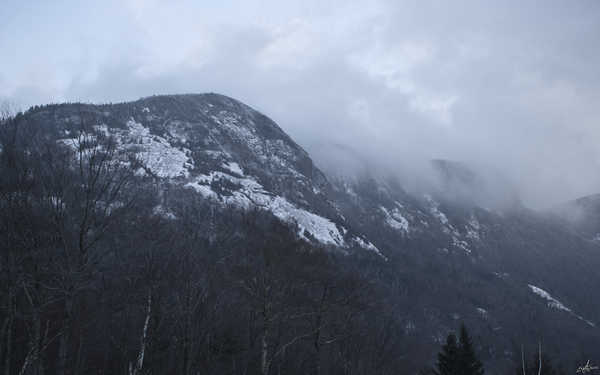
column 506, row 87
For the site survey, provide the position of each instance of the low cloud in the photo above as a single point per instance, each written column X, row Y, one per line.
column 508, row 86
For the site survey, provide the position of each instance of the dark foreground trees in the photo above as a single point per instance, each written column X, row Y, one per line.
column 458, row 356
column 539, row 364
column 104, row 271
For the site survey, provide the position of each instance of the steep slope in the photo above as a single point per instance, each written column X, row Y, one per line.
column 581, row 215
column 517, row 273
column 219, row 147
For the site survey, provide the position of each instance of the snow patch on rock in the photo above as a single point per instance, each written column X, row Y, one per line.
column 160, row 210
column 155, row 152
column 456, row 242
column 473, row 227
column 394, row 219
column 368, row 246
column 233, row 168
column 250, row 194
column 552, row 302
column 434, row 210
column 556, row 304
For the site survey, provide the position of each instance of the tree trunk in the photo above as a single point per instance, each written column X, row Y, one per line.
column 523, row 359
column 34, row 345
column 63, row 347
column 540, row 359
column 317, row 336
column 9, row 331
column 265, row 353
column 264, row 361
column 143, row 342
column 62, row 354
column 317, row 345
column 187, row 363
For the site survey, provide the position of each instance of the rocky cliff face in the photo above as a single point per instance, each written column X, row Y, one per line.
column 222, row 149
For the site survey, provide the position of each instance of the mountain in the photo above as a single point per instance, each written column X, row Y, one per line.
column 440, row 256
column 582, row 216
column 222, row 149
column 502, row 265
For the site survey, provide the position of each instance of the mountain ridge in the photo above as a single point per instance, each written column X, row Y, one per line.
column 224, row 150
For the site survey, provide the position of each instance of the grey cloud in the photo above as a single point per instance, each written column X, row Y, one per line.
column 509, row 86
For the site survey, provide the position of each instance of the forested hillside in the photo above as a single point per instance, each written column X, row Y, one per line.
column 189, row 234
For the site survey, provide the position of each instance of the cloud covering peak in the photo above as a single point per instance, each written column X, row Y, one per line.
column 507, row 84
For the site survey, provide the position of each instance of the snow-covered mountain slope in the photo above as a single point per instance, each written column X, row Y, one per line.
column 223, row 150
column 383, row 210
column 514, row 248
column 233, row 155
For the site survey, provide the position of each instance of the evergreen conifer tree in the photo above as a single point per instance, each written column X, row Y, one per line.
column 458, row 357
column 469, row 364
column 447, row 363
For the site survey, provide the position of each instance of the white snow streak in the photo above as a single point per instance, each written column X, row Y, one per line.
column 155, row 152
column 556, row 304
column 433, row 209
column 395, row 219
column 461, row 244
column 368, row 246
column 233, row 168
column 552, row 302
column 252, row 194
column 473, row 228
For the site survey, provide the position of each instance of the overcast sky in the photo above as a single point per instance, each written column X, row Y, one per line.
column 510, row 84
